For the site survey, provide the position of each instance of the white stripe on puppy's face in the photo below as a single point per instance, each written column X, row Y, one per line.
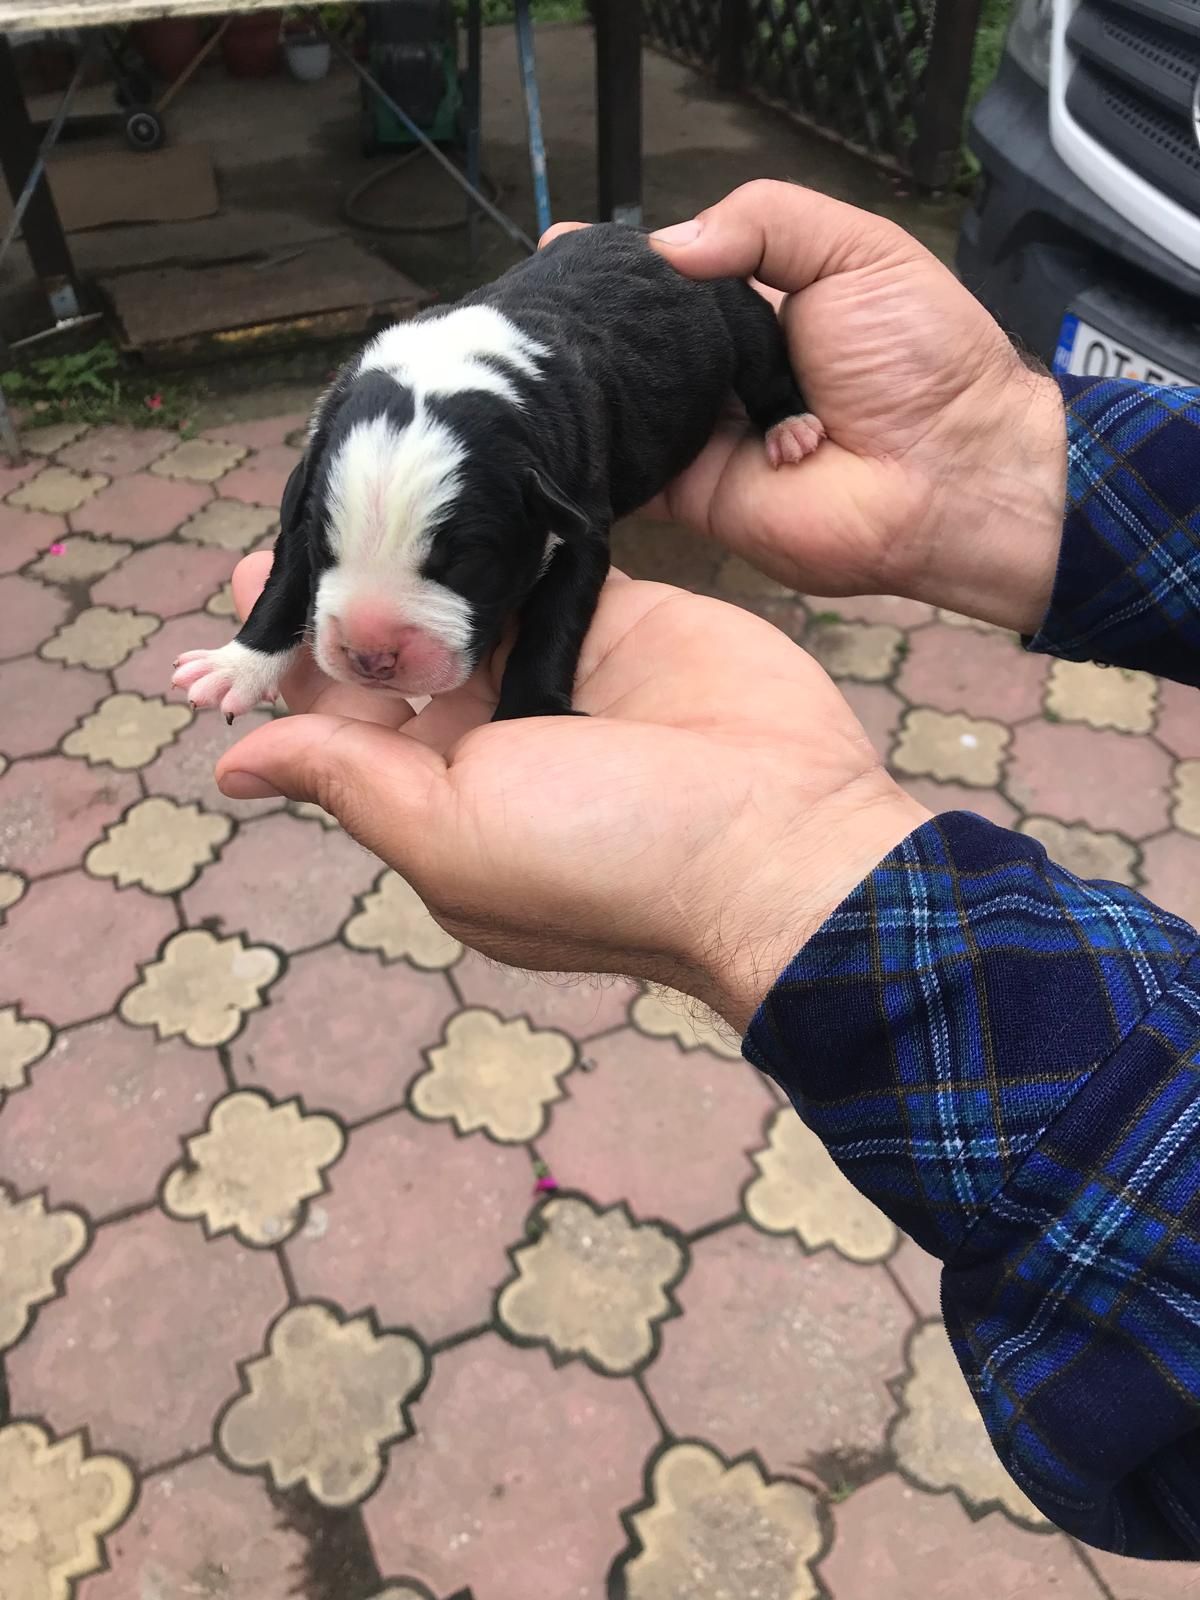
column 450, row 353
column 388, row 488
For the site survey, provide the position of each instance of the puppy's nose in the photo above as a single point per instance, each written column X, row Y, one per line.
column 379, row 664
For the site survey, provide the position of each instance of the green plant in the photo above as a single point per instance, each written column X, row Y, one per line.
column 93, row 386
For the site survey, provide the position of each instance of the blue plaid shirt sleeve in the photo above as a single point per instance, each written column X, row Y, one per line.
column 1127, row 590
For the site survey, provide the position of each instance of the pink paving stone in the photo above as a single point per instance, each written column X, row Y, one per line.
column 148, row 670
column 891, row 608
column 142, row 507
column 984, row 674
column 878, row 709
column 920, row 1276
column 169, row 580
column 75, row 944
column 440, row 1211
column 104, row 1115
column 40, row 701
column 184, row 771
column 200, row 1530
column 29, row 613
column 344, row 1032
column 939, row 797
column 118, row 451
column 1171, row 875
column 260, row 481
column 13, row 477
column 52, row 809
column 1146, row 1580
column 260, row 434
column 515, row 1479
column 894, row 1543
column 780, row 1352
column 1108, row 780
column 1179, row 719
column 579, row 1006
column 25, row 534
column 665, row 1130
column 284, row 882
column 143, row 1348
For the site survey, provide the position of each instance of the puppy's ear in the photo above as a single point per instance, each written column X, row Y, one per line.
column 551, row 508
column 296, row 493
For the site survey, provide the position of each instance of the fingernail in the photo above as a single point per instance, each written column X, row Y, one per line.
column 245, row 786
column 679, row 233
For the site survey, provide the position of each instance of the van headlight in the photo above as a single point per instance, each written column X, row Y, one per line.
column 1029, row 39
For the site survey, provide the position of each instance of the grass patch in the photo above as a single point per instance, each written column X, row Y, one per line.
column 94, row 386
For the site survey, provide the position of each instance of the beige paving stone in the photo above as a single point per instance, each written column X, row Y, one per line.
column 201, row 987
column 1185, row 797
column 57, row 1502
column 159, row 844
column 58, row 489
column 666, row 1014
column 800, row 1190
column 84, row 558
column 393, row 921
column 35, row 1246
column 863, row 650
column 957, row 620
column 127, row 731
column 46, row 441
column 253, row 1168
column 308, row 812
column 228, row 525
column 23, row 1043
column 940, row 1439
column 1082, row 850
column 203, row 460
column 221, row 604
column 12, row 887
column 329, row 1394
column 100, row 638
column 718, row 1532
column 594, row 1283
column 740, row 580
column 494, row 1075
column 951, row 748
column 1103, row 697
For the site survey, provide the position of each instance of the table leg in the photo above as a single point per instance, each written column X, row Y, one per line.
column 619, row 110
column 42, row 230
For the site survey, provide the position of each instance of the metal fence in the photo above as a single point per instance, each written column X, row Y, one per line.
column 888, row 78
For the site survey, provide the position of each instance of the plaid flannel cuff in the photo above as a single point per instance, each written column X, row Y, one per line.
column 1127, row 590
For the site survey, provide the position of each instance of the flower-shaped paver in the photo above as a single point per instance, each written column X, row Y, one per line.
column 499, row 1076
column 80, row 559
column 228, row 525
column 48, row 441
column 940, row 1439
column 253, row 1168
column 221, row 604
column 1083, row 851
column 36, row 1246
column 12, row 887
column 1185, row 797
column 56, row 1505
column 1105, row 697
column 594, row 1283
column 203, row 460
column 52, row 809
column 663, row 1014
column 127, row 731
column 951, row 747
column 713, row 1530
column 23, row 1041
column 800, row 1190
column 394, row 922
column 201, row 987
column 320, row 1406
column 58, row 489
column 159, row 844
column 100, row 637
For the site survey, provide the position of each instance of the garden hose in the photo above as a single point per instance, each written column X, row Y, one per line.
column 356, row 218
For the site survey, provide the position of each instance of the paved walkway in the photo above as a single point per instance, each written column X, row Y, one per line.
column 336, row 1262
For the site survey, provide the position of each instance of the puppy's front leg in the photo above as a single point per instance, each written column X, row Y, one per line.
column 540, row 674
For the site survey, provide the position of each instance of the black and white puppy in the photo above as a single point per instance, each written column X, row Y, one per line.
column 469, row 465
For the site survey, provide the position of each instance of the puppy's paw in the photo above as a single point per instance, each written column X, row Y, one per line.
column 234, row 677
column 794, row 438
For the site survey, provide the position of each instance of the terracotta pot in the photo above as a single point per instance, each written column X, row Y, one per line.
column 250, row 45
column 168, row 43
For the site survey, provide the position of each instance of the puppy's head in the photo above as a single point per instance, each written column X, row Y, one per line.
column 427, row 525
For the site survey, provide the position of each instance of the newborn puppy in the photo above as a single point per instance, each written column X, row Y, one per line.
column 469, row 465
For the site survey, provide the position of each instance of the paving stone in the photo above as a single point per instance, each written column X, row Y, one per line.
column 229, row 525
column 12, row 887
column 30, row 611
column 863, row 650
column 666, row 1131
column 149, row 671
column 201, row 987
column 166, row 1370
column 1144, row 1580
column 1185, row 796
column 941, row 797
column 955, row 619
column 891, row 1541
column 501, row 1077
column 878, row 709
column 1084, row 852
column 1067, row 773
column 221, row 604
column 662, row 552
column 987, row 675
column 666, row 1014
column 104, row 1114
column 199, row 1526
column 261, row 480
column 738, row 580
column 574, row 1005
column 46, row 441
column 76, row 944
column 919, row 1275
column 185, row 769
column 804, row 1385
column 891, row 609
column 280, row 882
column 117, row 451
column 1178, row 716
column 939, row 1438
column 516, row 1478
column 52, row 809
column 1171, row 875
column 168, row 580
column 1104, row 697
column 934, row 744
column 79, row 559
column 260, row 433
column 37, row 1245
column 442, row 1211
column 127, row 731
column 57, row 490
column 160, row 845
column 25, row 534
column 12, row 477
column 41, row 701
column 392, row 921
column 142, row 508
column 100, row 638
column 204, row 460
column 24, row 1042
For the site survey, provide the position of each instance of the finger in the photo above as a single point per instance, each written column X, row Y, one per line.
column 785, row 236
column 557, row 229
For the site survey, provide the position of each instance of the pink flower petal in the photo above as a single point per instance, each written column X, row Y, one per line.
column 58, row 548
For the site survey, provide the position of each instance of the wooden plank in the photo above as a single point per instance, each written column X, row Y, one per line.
column 35, row 15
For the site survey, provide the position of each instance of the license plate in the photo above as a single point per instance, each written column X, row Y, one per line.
column 1088, row 353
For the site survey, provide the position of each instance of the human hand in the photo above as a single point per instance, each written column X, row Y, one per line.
column 695, row 829
column 944, row 474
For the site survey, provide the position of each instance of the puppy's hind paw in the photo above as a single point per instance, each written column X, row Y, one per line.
column 794, row 438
